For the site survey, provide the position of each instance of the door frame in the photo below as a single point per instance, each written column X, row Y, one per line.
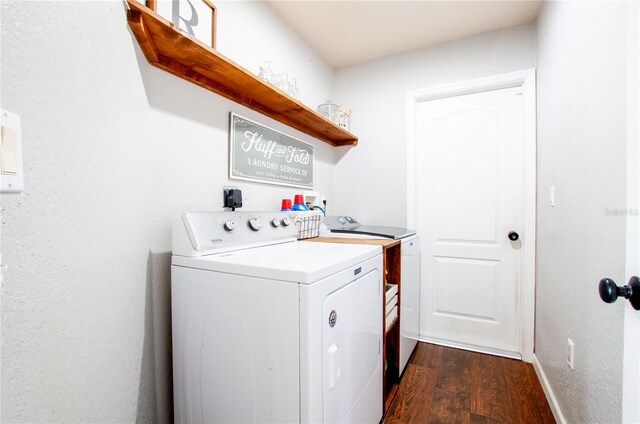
column 631, row 352
column 527, row 80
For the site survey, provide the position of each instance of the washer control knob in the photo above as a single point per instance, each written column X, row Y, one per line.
column 342, row 220
column 286, row 222
column 255, row 224
column 229, row 225
column 275, row 223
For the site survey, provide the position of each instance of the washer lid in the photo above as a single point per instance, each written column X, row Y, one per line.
column 298, row 262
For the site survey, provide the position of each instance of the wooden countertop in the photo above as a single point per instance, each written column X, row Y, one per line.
column 385, row 243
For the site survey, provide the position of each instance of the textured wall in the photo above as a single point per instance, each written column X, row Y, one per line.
column 376, row 92
column 581, row 150
column 113, row 150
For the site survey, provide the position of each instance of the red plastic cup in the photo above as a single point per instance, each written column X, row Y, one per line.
column 286, row 204
column 298, row 199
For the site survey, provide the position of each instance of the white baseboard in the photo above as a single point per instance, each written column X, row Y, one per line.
column 548, row 392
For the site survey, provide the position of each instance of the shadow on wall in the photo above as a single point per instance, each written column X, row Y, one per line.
column 168, row 92
column 178, row 97
column 155, row 391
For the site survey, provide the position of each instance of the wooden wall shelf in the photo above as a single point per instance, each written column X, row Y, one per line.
column 170, row 49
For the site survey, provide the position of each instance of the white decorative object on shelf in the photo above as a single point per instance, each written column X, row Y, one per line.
column 336, row 114
column 280, row 81
column 196, row 18
column 284, row 83
column 329, row 110
column 266, row 74
column 293, row 89
column 343, row 117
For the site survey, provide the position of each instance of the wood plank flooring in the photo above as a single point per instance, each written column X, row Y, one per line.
column 445, row 385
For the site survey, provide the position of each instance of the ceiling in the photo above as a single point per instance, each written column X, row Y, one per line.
column 349, row 32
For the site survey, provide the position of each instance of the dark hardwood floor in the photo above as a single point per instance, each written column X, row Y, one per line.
column 445, row 385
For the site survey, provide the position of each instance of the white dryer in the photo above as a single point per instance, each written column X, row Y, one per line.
column 270, row 329
column 346, row 226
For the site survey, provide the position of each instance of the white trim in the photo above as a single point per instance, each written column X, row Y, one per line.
column 548, row 391
column 473, row 348
column 631, row 352
column 530, row 194
column 527, row 80
column 478, row 85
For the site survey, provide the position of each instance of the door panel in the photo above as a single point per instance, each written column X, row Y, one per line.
column 471, row 133
column 477, row 300
column 470, row 195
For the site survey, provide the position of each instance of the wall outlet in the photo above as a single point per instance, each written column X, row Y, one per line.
column 232, row 198
column 570, row 352
column 312, row 197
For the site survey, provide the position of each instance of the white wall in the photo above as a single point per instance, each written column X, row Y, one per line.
column 113, row 150
column 581, row 150
column 371, row 180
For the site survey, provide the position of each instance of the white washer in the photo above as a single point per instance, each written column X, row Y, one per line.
column 269, row 329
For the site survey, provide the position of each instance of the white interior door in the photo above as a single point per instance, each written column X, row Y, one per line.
column 469, row 197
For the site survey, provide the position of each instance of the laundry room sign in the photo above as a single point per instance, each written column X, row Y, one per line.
column 261, row 154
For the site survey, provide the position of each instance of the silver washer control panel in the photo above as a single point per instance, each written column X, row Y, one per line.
column 203, row 233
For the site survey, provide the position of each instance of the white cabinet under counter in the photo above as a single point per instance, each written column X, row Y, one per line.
column 410, row 299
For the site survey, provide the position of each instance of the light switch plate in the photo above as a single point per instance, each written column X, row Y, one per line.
column 11, row 168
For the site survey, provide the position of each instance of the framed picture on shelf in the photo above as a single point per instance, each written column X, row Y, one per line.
column 195, row 17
